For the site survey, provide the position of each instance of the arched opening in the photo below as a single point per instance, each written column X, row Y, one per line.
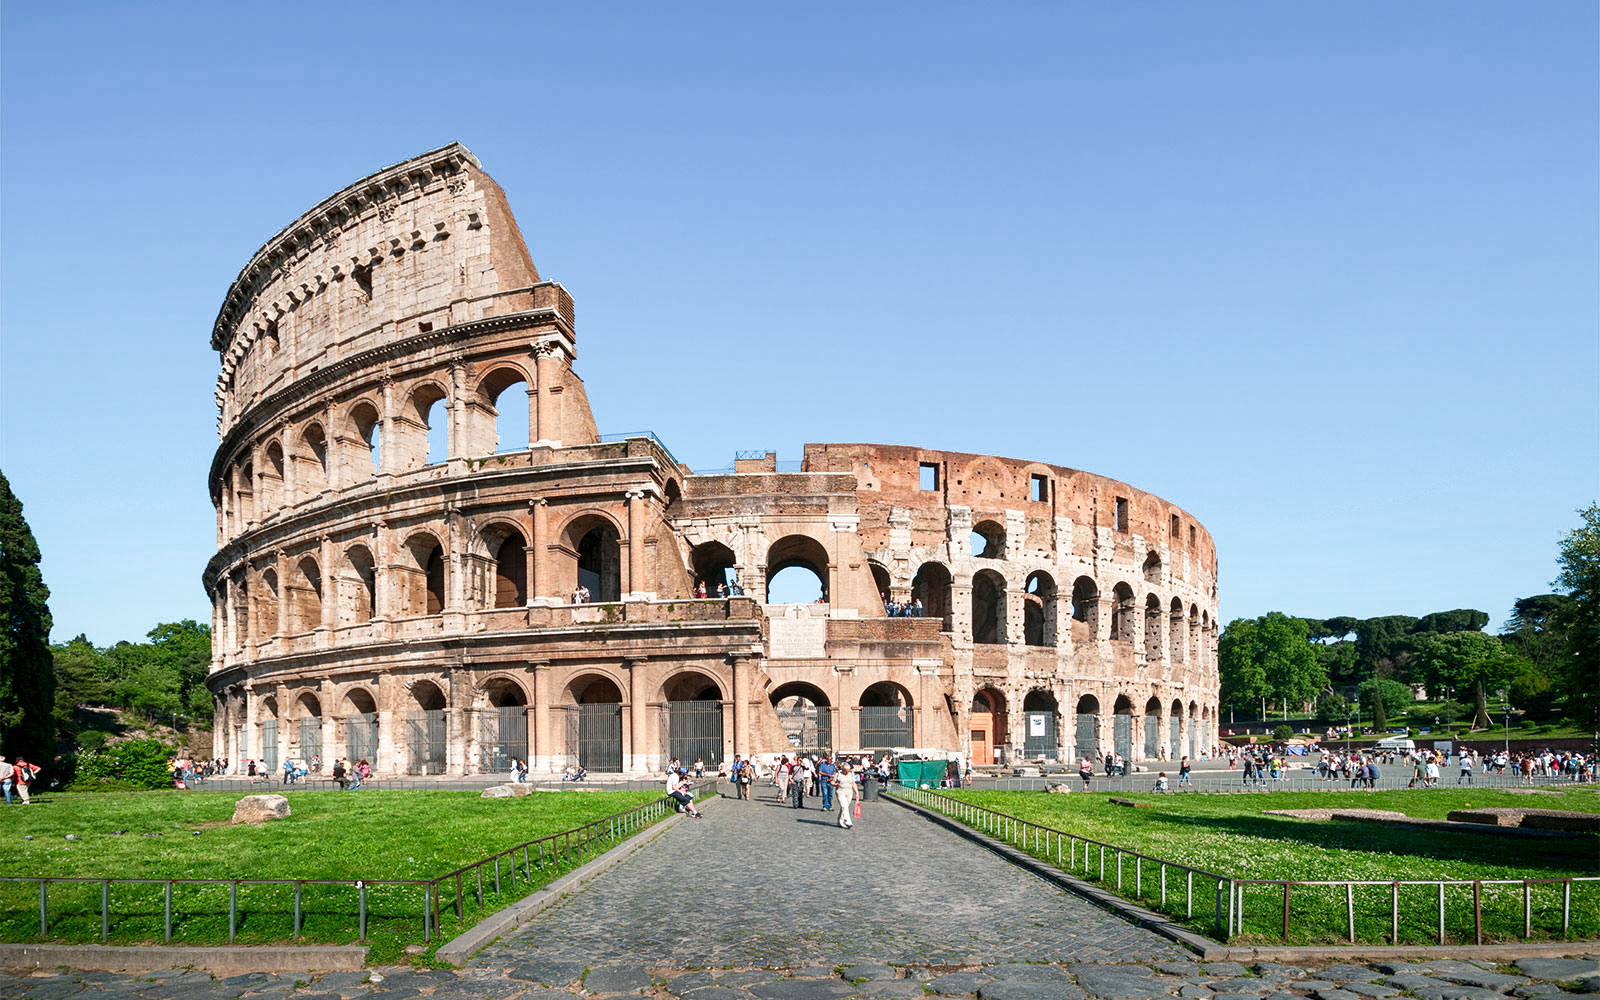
column 691, row 718
column 511, row 571
column 594, row 726
column 244, row 494
column 886, row 720
column 421, row 576
column 1124, row 621
column 1175, row 730
column 1040, row 740
column 360, row 727
column 502, row 726
column 1085, row 608
column 1152, row 628
column 1194, row 632
column 425, row 729
column 435, row 417
column 504, row 394
column 1039, row 610
column 931, row 587
column 1152, row 730
column 804, row 714
column 267, row 610
column 358, row 590
column 364, row 424
column 1180, row 632
column 713, row 565
column 1087, row 732
column 313, row 460
column 310, row 735
column 600, row 563
column 987, row 727
column 267, row 721
column 1152, row 567
column 305, row 597
column 797, row 571
column 272, row 480
column 988, row 540
column 880, row 581
column 1122, row 728
column 988, row 607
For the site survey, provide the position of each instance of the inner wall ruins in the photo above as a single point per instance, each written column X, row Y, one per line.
column 375, row 601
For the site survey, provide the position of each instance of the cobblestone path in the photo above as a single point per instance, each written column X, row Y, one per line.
column 756, row 883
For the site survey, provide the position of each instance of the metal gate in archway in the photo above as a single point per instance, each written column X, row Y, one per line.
column 502, row 735
column 269, row 747
column 1040, row 740
column 1176, row 742
column 1152, row 737
column 885, row 726
column 594, row 735
column 425, row 739
column 310, row 738
column 1088, row 737
column 1122, row 735
column 692, row 730
column 807, row 726
column 361, row 738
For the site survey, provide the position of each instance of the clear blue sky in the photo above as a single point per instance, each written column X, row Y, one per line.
column 1325, row 274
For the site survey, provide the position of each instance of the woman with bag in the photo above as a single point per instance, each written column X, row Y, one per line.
column 844, row 783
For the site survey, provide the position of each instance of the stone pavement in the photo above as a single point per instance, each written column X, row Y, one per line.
column 757, row 883
column 541, row 979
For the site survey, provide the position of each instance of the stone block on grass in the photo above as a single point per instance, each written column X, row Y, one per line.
column 260, row 808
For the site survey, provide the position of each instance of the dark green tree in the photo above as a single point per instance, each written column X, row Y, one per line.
column 80, row 680
column 1270, row 657
column 27, row 673
column 1459, row 620
column 1385, row 698
column 1580, row 578
column 1468, row 661
column 1242, row 672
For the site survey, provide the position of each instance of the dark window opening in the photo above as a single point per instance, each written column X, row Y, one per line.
column 424, row 327
column 1122, row 514
column 1174, row 529
column 928, row 477
column 1039, row 489
column 363, row 276
column 1191, row 535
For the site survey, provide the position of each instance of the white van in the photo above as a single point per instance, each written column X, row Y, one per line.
column 1394, row 743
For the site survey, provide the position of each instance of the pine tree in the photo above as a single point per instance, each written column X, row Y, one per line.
column 27, row 672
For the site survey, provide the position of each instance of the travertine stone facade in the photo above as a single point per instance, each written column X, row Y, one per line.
column 394, row 582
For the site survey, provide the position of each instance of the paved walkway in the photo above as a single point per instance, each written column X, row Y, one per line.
column 757, row 883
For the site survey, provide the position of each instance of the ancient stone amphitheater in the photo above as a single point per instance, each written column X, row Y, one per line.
column 400, row 544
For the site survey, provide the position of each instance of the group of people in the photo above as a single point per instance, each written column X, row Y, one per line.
column 518, row 771
column 723, row 590
column 902, row 609
column 836, row 781
column 17, row 778
column 580, row 594
column 350, row 776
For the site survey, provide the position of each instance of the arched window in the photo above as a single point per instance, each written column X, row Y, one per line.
column 880, row 579
column 364, row 425
column 797, row 571
column 1124, row 622
column 1152, row 567
column 504, row 395
column 358, row 587
column 594, row 724
column 421, row 435
column 1152, row 628
column 305, row 605
column 1180, row 632
column 988, row 607
column 988, row 540
column 1039, row 610
column 713, row 564
column 1087, row 730
column 502, row 726
column 931, row 586
column 511, row 572
column 1039, row 739
column 272, row 480
column 421, row 578
column 1086, row 607
column 886, row 719
column 693, row 718
column 1122, row 728
column 1152, row 729
column 313, row 461
column 804, row 715
column 600, row 563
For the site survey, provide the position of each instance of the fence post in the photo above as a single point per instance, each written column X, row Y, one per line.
column 363, row 887
column 427, row 930
column 1350, row 909
column 1138, row 876
column 1566, row 907
column 1220, row 931
column 1102, row 862
column 1163, row 885
column 1239, row 910
column 44, row 919
column 1286, row 909
column 233, row 909
column 1394, row 913
column 497, row 878
column 105, row 909
column 1477, row 911
column 1188, row 906
column 461, row 912
column 1119, row 870
column 297, row 909
column 1527, row 908
column 1441, row 913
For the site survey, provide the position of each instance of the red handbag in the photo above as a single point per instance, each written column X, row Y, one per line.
column 858, row 810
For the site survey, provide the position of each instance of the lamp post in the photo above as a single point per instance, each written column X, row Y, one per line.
column 1347, row 730
column 1508, row 727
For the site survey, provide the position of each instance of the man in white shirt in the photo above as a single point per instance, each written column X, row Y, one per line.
column 8, row 775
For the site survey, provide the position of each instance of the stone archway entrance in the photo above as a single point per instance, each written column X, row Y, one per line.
column 594, row 726
column 691, row 720
column 805, row 716
column 987, row 727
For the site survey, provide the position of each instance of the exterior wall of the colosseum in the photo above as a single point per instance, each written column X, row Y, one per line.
column 373, row 599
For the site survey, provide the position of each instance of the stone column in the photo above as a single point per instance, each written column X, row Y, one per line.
column 290, row 480
column 281, row 693
column 638, row 511
column 533, row 402
column 741, row 704
column 459, row 731
column 330, row 592
column 543, row 749
column 332, row 452
column 638, row 759
column 331, row 750
column 257, row 497
column 281, row 561
column 382, row 572
column 386, row 430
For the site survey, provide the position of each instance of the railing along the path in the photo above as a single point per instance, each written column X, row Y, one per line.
column 1302, row 904
column 550, row 855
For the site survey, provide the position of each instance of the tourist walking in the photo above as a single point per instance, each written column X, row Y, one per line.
column 1086, row 771
column 780, row 777
column 25, row 775
column 844, row 786
column 827, row 771
column 1183, row 772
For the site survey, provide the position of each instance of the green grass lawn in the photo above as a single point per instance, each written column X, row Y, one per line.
column 1229, row 835
column 368, row 835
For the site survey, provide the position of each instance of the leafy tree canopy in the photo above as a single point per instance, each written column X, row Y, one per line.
column 1579, row 559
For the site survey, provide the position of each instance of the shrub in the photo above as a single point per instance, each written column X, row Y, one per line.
column 134, row 764
column 1282, row 733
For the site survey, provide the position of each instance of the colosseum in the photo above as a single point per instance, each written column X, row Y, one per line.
column 415, row 570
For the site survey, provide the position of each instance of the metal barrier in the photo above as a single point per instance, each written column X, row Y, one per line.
column 550, row 855
column 1087, row 859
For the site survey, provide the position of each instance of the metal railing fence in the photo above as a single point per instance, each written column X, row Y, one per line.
column 1303, row 905
column 508, row 874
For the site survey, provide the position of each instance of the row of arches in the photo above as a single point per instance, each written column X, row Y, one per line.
column 380, row 431
column 1166, row 730
column 987, row 540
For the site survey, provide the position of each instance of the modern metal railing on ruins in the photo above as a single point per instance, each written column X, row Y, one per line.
column 1303, row 905
column 420, row 903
